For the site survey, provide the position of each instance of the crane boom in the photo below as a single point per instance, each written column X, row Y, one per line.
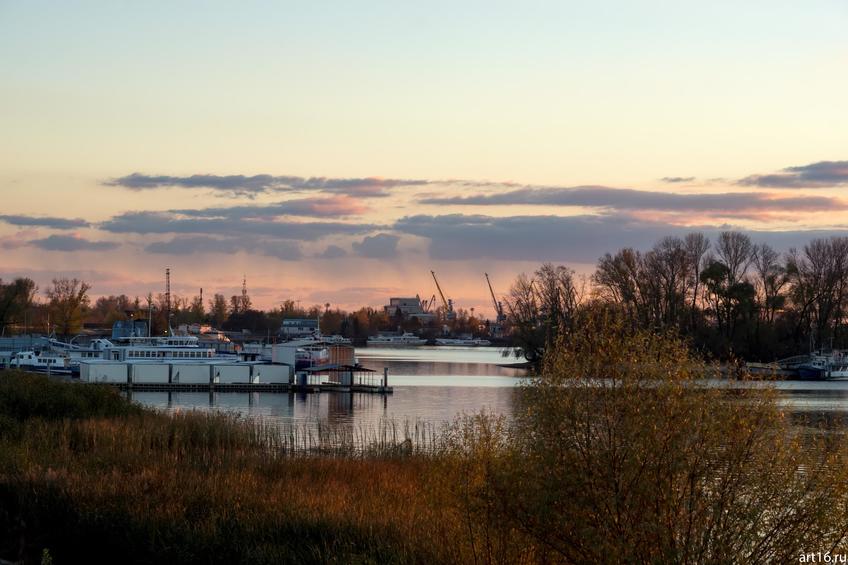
column 439, row 288
column 494, row 299
column 498, row 308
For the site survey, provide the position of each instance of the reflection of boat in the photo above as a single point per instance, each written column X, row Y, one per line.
column 466, row 342
column 825, row 366
column 403, row 340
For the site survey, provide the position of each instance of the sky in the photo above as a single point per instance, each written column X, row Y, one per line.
column 336, row 152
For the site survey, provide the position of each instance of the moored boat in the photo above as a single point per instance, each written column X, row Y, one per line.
column 403, row 340
column 463, row 342
column 821, row 366
column 42, row 362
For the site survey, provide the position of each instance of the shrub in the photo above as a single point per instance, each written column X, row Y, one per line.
column 25, row 395
column 620, row 452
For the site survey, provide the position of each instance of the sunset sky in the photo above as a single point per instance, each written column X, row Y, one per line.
column 338, row 151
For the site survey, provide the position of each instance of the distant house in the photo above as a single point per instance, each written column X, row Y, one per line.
column 295, row 328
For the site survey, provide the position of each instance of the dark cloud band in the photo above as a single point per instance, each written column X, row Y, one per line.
column 70, row 243
column 823, row 174
column 258, row 184
column 169, row 223
column 576, row 239
column 44, row 222
column 630, row 199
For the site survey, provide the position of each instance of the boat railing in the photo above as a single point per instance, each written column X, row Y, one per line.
column 794, row 360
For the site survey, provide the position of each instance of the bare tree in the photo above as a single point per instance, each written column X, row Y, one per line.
column 667, row 267
column 541, row 307
column 697, row 245
column 819, row 281
column 770, row 280
column 618, row 279
column 736, row 251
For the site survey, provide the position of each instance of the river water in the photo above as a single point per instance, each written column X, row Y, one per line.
column 435, row 385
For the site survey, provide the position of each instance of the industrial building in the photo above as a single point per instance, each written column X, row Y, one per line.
column 410, row 308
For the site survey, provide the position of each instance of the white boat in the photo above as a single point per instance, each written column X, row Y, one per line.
column 321, row 339
column 404, row 340
column 161, row 348
column 41, row 362
column 310, row 352
column 463, row 342
column 165, row 348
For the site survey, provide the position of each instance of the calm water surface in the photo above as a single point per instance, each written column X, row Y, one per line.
column 434, row 385
column 431, row 384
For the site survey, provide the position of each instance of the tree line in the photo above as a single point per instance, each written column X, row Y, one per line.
column 732, row 297
column 67, row 308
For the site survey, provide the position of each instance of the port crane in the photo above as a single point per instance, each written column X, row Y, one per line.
column 499, row 311
column 448, row 303
column 427, row 305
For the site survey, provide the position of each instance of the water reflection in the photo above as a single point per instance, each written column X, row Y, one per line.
column 436, row 384
column 407, row 404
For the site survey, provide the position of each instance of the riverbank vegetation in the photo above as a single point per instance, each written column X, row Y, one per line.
column 730, row 298
column 615, row 453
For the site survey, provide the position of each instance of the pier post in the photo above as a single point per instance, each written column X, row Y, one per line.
column 385, row 377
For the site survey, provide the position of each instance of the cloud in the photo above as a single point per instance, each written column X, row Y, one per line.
column 380, row 246
column 283, row 250
column 527, row 238
column 574, row 239
column 259, row 184
column 630, row 199
column 823, row 174
column 335, row 206
column 332, row 252
column 168, row 222
column 72, row 243
column 677, row 179
column 44, row 221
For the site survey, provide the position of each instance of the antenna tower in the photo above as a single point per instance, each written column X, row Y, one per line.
column 168, row 299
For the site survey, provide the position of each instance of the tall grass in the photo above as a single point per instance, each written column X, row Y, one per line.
column 133, row 485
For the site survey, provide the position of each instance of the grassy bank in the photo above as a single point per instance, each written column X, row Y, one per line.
column 614, row 455
column 89, row 476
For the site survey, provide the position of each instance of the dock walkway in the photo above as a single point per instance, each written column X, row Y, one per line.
column 253, row 387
